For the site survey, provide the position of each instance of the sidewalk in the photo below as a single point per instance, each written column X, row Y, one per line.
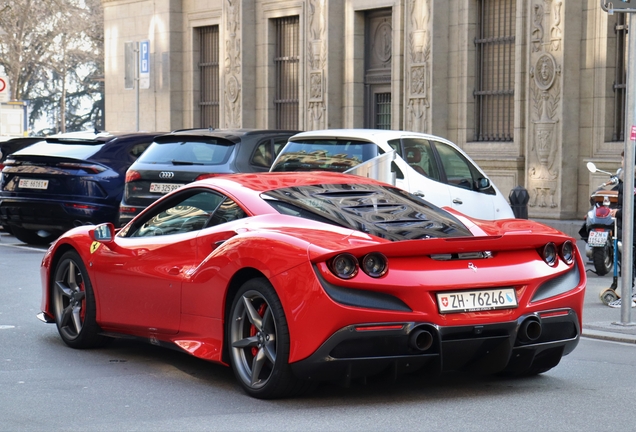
column 600, row 321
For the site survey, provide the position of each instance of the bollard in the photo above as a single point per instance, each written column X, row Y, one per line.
column 519, row 198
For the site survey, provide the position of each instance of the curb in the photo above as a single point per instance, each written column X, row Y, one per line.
column 609, row 336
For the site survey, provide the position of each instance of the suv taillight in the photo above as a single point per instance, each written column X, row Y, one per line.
column 89, row 168
column 132, row 176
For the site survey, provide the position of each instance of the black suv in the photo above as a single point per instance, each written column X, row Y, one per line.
column 184, row 156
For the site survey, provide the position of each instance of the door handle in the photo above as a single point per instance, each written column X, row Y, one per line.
column 458, row 201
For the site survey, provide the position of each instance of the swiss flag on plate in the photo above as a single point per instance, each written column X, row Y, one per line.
column 445, row 301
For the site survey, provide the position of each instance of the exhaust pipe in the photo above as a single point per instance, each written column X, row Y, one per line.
column 530, row 330
column 420, row 340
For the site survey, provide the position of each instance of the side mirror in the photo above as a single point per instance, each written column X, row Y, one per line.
column 483, row 183
column 591, row 167
column 103, row 233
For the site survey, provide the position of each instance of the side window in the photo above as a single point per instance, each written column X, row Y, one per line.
column 138, row 149
column 279, row 143
column 190, row 213
column 459, row 171
column 418, row 153
column 262, row 156
column 395, row 145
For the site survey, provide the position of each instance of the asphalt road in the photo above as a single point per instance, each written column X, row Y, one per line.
column 45, row 385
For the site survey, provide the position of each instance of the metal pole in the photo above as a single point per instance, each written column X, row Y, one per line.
column 137, row 67
column 628, row 179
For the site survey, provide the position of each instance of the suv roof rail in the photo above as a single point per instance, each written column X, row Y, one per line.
column 210, row 128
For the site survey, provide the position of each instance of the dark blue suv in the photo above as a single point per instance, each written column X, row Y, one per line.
column 68, row 180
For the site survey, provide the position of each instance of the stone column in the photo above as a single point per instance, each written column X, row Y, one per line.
column 553, row 99
column 238, row 70
column 316, row 64
column 418, row 65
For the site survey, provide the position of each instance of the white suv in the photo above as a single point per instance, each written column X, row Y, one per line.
column 428, row 166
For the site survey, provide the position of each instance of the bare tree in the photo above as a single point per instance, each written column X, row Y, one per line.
column 52, row 53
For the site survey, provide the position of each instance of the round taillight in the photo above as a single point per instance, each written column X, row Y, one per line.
column 567, row 252
column 345, row 266
column 550, row 254
column 375, row 264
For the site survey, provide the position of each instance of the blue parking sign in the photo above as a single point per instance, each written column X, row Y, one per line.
column 144, row 64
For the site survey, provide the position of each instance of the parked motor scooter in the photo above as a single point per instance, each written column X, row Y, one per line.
column 598, row 229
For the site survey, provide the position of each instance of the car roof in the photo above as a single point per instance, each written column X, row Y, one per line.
column 368, row 134
column 266, row 181
column 96, row 137
column 230, row 134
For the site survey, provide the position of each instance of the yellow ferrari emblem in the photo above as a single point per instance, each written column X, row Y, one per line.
column 94, row 246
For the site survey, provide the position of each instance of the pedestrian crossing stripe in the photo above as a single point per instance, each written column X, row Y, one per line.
column 94, row 246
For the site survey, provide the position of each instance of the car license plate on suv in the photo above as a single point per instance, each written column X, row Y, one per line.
column 33, row 184
column 479, row 300
column 164, row 188
column 597, row 238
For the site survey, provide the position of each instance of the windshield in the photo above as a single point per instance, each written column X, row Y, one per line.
column 201, row 152
column 324, row 154
column 378, row 210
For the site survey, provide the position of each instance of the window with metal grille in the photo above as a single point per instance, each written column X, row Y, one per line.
column 209, row 76
column 495, row 71
column 286, row 62
column 383, row 110
column 620, row 78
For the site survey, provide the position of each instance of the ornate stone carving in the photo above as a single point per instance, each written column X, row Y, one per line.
column 545, row 71
column 537, row 28
column 545, row 89
column 555, row 32
column 233, row 64
column 316, row 61
column 418, row 78
column 315, row 86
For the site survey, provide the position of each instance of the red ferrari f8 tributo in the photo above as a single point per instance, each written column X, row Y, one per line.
column 297, row 278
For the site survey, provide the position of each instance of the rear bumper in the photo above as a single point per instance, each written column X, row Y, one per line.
column 363, row 350
column 54, row 215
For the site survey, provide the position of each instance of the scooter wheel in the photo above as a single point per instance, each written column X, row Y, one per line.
column 608, row 295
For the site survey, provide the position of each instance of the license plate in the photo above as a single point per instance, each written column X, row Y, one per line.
column 33, row 184
column 479, row 300
column 164, row 188
column 597, row 238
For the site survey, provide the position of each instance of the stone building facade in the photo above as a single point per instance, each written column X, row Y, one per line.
column 531, row 89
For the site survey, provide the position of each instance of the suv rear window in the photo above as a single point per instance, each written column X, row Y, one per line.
column 213, row 151
column 324, row 155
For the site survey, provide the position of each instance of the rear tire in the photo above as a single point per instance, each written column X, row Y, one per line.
column 31, row 237
column 258, row 343
column 603, row 259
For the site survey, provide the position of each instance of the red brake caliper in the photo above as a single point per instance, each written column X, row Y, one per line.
column 261, row 312
column 83, row 309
